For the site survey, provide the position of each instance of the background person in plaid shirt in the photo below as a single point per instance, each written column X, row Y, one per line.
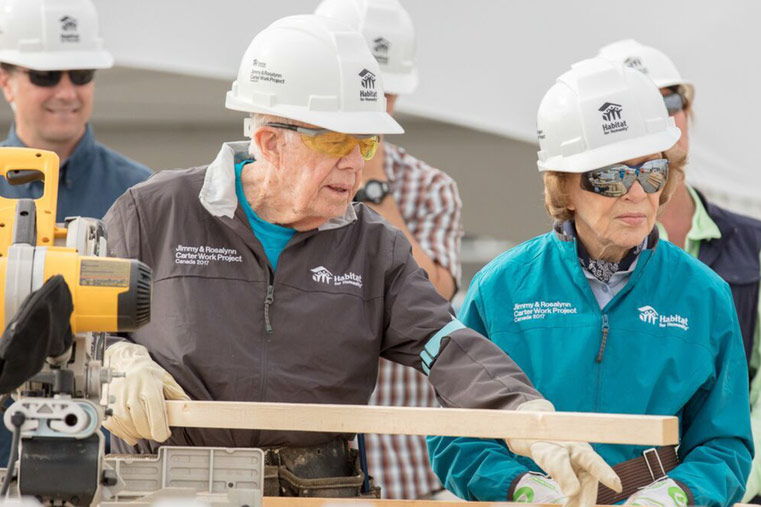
column 423, row 203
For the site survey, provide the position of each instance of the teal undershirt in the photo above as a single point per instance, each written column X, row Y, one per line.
column 272, row 237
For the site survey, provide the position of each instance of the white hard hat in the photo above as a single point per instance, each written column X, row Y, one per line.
column 51, row 35
column 315, row 70
column 389, row 32
column 600, row 113
column 650, row 61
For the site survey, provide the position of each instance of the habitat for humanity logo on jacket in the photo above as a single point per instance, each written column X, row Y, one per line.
column 321, row 274
column 650, row 315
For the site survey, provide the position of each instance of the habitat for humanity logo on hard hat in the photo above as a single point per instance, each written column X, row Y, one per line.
column 368, row 93
column 636, row 63
column 69, row 29
column 611, row 115
column 380, row 50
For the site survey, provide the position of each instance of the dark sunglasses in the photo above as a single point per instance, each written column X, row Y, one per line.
column 48, row 78
column 675, row 102
column 616, row 180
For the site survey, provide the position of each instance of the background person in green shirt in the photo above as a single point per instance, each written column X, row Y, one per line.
column 727, row 242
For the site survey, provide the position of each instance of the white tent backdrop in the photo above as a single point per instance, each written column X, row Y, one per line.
column 485, row 64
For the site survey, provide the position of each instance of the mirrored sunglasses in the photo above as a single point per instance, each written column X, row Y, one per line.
column 48, row 78
column 616, row 180
column 334, row 144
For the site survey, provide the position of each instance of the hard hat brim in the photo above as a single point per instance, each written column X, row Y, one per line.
column 63, row 60
column 400, row 84
column 689, row 88
column 354, row 122
column 612, row 153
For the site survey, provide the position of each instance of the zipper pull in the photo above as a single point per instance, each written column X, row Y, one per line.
column 605, row 330
column 267, row 302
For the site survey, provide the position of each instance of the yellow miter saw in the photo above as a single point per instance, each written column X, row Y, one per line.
column 57, row 413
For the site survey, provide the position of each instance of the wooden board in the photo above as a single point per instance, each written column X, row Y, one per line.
column 601, row 428
column 357, row 502
column 270, row 501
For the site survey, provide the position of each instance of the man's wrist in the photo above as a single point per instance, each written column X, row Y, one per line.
column 373, row 191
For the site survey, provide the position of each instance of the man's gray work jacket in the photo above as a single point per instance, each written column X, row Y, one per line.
column 229, row 328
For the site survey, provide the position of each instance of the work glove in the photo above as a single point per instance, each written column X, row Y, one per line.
column 664, row 492
column 138, row 410
column 537, row 488
column 576, row 467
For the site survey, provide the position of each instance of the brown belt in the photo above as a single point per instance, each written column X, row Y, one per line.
column 654, row 464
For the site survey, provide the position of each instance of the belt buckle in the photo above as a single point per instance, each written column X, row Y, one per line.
column 660, row 463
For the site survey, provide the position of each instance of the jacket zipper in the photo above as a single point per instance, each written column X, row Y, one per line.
column 605, row 330
column 267, row 302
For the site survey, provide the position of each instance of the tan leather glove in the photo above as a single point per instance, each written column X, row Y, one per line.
column 138, row 410
column 575, row 466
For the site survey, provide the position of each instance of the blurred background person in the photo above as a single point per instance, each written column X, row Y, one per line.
column 49, row 52
column 729, row 243
column 424, row 204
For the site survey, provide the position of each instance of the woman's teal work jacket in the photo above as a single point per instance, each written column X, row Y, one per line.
column 673, row 348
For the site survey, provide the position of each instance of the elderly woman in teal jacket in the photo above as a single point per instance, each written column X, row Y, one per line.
column 604, row 317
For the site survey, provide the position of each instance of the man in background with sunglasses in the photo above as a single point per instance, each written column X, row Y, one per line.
column 422, row 202
column 727, row 242
column 271, row 285
column 49, row 52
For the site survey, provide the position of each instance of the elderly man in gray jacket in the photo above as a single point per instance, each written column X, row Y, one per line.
column 270, row 285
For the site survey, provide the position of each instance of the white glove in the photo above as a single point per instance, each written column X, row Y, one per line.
column 537, row 488
column 575, row 466
column 662, row 493
column 139, row 411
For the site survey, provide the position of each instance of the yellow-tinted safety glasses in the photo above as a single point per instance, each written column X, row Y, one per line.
column 334, row 144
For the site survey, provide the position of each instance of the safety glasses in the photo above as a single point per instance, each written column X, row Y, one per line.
column 616, row 180
column 334, row 144
column 675, row 102
column 48, row 78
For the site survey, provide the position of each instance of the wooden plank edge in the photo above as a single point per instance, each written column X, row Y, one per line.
column 477, row 423
column 362, row 502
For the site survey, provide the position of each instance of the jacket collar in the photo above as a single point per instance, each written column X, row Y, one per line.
column 218, row 191
column 564, row 235
column 565, row 231
column 13, row 139
column 704, row 228
column 710, row 248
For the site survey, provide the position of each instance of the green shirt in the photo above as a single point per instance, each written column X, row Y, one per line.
column 703, row 229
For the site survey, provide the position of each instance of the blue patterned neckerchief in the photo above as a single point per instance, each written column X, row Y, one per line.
column 601, row 269
column 604, row 270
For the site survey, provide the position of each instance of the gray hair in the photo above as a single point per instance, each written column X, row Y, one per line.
column 259, row 120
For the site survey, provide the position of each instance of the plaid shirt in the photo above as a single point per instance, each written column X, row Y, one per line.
column 430, row 205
